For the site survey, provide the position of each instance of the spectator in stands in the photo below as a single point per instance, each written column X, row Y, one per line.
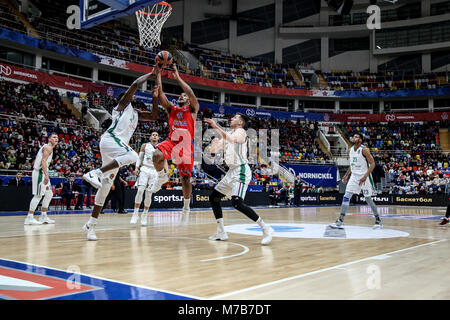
column 17, row 181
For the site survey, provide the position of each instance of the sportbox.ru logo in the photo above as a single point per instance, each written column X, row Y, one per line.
column 172, row 198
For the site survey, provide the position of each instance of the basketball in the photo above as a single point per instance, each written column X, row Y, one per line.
column 164, row 59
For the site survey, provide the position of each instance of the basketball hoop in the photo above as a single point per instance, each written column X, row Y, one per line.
column 150, row 21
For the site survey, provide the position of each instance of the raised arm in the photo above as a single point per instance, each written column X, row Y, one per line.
column 154, row 115
column 128, row 96
column 187, row 89
column 239, row 136
column 162, row 97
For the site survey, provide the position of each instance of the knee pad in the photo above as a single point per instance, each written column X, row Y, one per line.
column 139, row 195
column 236, row 202
column 347, row 197
column 215, row 197
column 128, row 158
column 35, row 202
column 148, row 199
column 47, row 199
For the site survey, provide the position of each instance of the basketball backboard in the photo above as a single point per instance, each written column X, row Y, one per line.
column 95, row 12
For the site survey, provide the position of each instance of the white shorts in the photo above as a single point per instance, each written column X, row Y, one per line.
column 111, row 148
column 235, row 182
column 39, row 187
column 146, row 176
column 367, row 188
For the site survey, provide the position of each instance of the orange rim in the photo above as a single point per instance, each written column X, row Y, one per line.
column 162, row 3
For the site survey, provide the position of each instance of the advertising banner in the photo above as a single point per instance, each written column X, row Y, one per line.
column 199, row 199
column 28, row 75
column 388, row 117
column 325, row 176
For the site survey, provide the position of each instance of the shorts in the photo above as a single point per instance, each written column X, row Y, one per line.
column 39, row 187
column 184, row 162
column 146, row 176
column 235, row 182
column 111, row 148
column 367, row 188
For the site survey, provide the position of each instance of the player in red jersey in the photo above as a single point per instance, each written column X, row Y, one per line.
column 179, row 146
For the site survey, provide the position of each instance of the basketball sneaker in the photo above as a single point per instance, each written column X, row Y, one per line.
column 90, row 229
column 219, row 236
column 337, row 225
column 444, row 222
column 378, row 224
column 134, row 218
column 267, row 234
column 144, row 217
column 30, row 220
column 45, row 219
column 94, row 177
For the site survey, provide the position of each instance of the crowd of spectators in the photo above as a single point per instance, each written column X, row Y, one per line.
column 397, row 135
column 409, row 153
column 28, row 114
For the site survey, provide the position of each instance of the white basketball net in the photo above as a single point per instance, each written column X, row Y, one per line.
column 150, row 21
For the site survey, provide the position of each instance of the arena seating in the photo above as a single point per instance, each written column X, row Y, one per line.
column 117, row 40
column 7, row 18
column 239, row 69
column 24, row 128
column 383, row 81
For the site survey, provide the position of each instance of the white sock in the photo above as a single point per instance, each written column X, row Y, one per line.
column 187, row 203
column 261, row 223
column 92, row 220
column 43, row 213
column 136, row 210
column 30, row 215
column 220, row 225
column 145, row 211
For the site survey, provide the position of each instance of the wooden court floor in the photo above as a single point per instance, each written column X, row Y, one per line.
column 408, row 259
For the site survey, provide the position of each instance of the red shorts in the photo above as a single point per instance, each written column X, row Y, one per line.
column 184, row 164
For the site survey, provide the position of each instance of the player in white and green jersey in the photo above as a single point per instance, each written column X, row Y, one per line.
column 147, row 175
column 41, row 183
column 114, row 147
column 361, row 167
column 234, row 184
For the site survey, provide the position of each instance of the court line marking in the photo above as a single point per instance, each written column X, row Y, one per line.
column 246, row 249
column 304, row 275
column 111, row 280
